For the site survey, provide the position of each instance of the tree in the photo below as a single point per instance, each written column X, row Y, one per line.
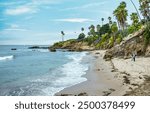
column 98, row 28
column 136, row 9
column 121, row 14
column 144, row 8
column 135, row 19
column 102, row 19
column 92, row 30
column 105, row 29
column 82, row 29
column 81, row 36
column 63, row 34
column 110, row 21
column 114, row 30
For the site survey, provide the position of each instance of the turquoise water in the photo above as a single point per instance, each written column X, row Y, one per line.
column 27, row 72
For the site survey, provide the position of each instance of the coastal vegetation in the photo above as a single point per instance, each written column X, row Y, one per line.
column 108, row 35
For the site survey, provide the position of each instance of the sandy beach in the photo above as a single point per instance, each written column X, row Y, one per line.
column 116, row 77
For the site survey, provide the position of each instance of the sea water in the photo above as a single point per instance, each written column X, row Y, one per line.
column 29, row 72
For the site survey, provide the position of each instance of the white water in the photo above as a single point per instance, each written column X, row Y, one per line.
column 72, row 71
column 6, row 57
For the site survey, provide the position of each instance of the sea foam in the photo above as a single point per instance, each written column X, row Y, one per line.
column 72, row 71
column 6, row 57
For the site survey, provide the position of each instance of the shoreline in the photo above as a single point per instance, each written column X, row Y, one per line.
column 108, row 78
column 100, row 80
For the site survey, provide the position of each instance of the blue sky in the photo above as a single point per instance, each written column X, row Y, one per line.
column 40, row 21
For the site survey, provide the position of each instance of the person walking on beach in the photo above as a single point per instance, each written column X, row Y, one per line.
column 133, row 56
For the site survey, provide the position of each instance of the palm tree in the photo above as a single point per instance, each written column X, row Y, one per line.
column 114, row 30
column 102, row 19
column 121, row 15
column 144, row 8
column 110, row 21
column 116, row 14
column 134, row 18
column 82, row 29
column 92, row 30
column 63, row 34
column 136, row 9
column 98, row 28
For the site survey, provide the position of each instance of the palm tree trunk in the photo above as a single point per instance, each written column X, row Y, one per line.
column 62, row 38
column 136, row 10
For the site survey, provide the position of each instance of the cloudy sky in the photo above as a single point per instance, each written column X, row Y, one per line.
column 40, row 21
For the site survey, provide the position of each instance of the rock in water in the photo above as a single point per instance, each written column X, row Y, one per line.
column 13, row 49
column 53, row 50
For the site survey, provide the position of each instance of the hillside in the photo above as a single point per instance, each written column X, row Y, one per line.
column 133, row 43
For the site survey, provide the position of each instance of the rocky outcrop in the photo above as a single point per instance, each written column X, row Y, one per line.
column 37, row 47
column 132, row 43
column 72, row 45
column 13, row 49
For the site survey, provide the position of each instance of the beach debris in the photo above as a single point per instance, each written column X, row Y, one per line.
column 126, row 80
column 107, row 93
column 97, row 53
column 112, row 89
column 125, row 73
column 83, row 94
column 98, row 69
column 147, row 78
column 135, row 84
column 66, row 95
column 140, row 77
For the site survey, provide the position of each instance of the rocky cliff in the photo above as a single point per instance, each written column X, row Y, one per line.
column 132, row 43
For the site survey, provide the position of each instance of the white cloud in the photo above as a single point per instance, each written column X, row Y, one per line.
column 45, row 2
column 75, row 20
column 86, row 6
column 15, row 29
column 19, row 10
column 31, row 7
column 11, row 3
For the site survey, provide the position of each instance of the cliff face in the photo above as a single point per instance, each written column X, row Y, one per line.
column 132, row 43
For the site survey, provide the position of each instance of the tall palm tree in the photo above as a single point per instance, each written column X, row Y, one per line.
column 110, row 21
column 135, row 21
column 98, row 27
column 82, row 29
column 92, row 30
column 136, row 9
column 121, row 14
column 114, row 30
column 102, row 19
column 144, row 8
column 116, row 14
column 63, row 34
column 134, row 18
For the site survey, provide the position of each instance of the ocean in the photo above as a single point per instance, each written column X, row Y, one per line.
column 29, row 72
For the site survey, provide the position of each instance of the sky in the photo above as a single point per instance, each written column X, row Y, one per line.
column 39, row 22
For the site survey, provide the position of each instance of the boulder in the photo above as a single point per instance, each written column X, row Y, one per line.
column 52, row 49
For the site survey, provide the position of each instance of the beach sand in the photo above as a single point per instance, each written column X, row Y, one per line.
column 111, row 78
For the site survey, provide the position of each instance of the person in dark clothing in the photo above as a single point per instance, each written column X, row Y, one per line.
column 133, row 56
